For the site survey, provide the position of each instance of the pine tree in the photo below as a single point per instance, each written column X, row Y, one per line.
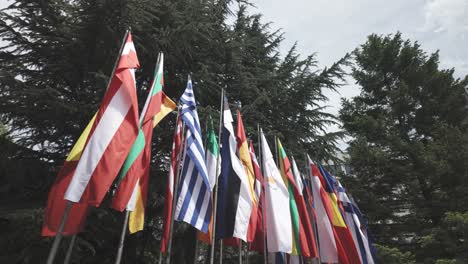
column 410, row 140
column 56, row 63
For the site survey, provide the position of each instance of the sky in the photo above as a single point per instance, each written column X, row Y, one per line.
column 331, row 28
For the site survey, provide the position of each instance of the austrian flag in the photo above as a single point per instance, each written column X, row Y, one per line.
column 112, row 134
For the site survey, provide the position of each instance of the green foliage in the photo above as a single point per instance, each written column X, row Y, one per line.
column 410, row 144
column 390, row 255
column 55, row 66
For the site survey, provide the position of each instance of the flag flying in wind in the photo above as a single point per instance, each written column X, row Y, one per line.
column 326, row 238
column 134, row 176
column 212, row 160
column 111, row 136
column 342, row 232
column 246, row 159
column 56, row 204
column 173, row 170
column 194, row 203
column 278, row 226
column 303, row 236
column 354, row 224
column 258, row 236
column 235, row 191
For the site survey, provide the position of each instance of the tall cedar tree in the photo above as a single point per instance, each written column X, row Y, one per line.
column 410, row 143
column 56, row 60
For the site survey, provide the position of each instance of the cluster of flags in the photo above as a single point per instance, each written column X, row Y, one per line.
column 222, row 190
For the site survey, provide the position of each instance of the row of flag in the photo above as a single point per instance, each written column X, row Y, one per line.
column 221, row 190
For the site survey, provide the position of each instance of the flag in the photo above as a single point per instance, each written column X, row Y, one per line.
column 326, row 238
column 212, row 161
column 354, row 224
column 235, row 190
column 56, row 204
column 194, row 203
column 111, row 136
column 257, row 243
column 245, row 156
column 134, row 176
column 342, row 232
column 171, row 179
column 303, row 236
column 278, row 227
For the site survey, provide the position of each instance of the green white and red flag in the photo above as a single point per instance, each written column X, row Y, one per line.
column 134, row 176
column 303, row 237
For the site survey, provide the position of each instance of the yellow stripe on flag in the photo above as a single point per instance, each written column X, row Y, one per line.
column 75, row 153
column 136, row 219
column 166, row 107
column 337, row 219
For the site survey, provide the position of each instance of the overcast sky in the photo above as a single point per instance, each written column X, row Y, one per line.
column 331, row 28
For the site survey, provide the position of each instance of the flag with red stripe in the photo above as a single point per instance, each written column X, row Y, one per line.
column 167, row 216
column 246, row 159
column 256, row 224
column 112, row 134
column 56, row 204
column 304, row 240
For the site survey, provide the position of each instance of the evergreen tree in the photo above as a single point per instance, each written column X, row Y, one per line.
column 410, row 143
column 55, row 66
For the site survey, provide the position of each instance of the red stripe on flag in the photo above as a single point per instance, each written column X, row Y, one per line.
column 55, row 209
column 111, row 161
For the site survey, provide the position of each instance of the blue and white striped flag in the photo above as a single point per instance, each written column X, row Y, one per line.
column 194, row 204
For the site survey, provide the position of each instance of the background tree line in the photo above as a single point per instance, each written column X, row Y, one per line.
column 409, row 125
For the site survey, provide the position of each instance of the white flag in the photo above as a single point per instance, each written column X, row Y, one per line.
column 277, row 214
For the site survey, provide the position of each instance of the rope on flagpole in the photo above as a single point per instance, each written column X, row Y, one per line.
column 215, row 195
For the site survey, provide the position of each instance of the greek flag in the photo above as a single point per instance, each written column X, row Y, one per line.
column 194, row 203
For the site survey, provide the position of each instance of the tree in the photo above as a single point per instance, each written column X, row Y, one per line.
column 58, row 57
column 409, row 146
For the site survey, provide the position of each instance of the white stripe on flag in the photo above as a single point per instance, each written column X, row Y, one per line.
column 108, row 125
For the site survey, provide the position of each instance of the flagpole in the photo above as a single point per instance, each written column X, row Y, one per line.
column 176, row 190
column 312, row 219
column 260, row 161
column 240, row 252
column 215, row 196
column 122, row 238
column 58, row 236
column 70, row 249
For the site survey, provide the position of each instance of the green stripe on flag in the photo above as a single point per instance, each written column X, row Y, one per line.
column 157, row 84
column 135, row 151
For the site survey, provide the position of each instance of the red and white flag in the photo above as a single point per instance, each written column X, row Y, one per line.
column 256, row 228
column 176, row 147
column 112, row 134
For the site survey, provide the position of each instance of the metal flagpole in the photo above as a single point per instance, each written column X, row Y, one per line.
column 260, row 161
column 58, row 236
column 215, row 195
column 127, row 213
column 240, row 252
column 70, row 249
column 176, row 191
column 312, row 220
column 221, row 251
column 122, row 238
